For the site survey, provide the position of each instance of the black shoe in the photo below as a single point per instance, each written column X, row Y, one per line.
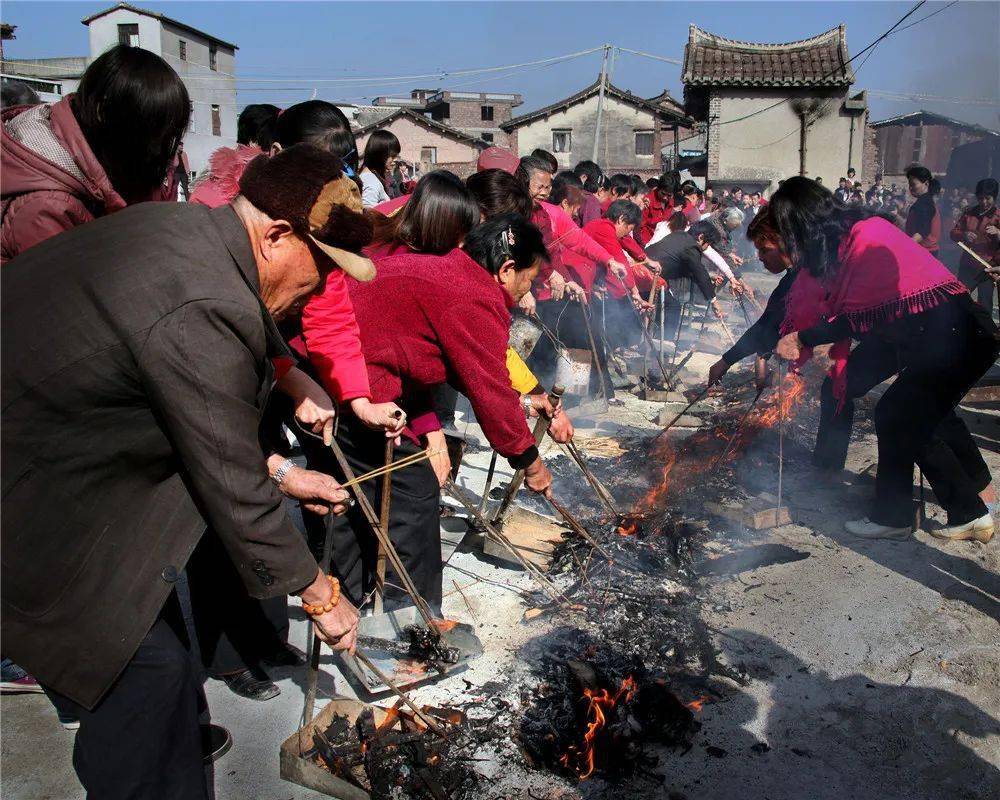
column 288, row 655
column 215, row 742
column 248, row 685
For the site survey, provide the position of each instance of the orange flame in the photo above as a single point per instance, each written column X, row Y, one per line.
column 628, row 528
column 696, row 705
column 601, row 701
column 705, row 449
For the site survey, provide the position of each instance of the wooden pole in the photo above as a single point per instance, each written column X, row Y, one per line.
column 600, row 102
column 390, row 447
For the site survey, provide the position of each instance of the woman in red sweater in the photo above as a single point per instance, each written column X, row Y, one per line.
column 923, row 220
column 978, row 227
column 862, row 278
column 428, row 320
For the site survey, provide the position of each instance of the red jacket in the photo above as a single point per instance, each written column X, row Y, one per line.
column 655, row 212
column 52, row 181
column 987, row 247
column 427, row 320
column 602, row 231
column 336, row 350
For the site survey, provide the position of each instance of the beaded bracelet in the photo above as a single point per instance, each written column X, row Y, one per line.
column 319, row 610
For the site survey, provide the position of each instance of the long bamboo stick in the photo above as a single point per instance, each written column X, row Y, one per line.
column 383, row 538
column 580, row 531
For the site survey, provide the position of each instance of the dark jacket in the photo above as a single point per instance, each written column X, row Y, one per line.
column 763, row 335
column 135, row 362
column 680, row 257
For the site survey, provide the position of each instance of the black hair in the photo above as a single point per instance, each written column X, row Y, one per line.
column 624, row 209
column 707, row 231
column 529, row 165
column 503, row 238
column 320, row 123
column 688, row 187
column 850, row 170
column 256, row 124
column 498, row 192
column 736, row 189
column 669, row 181
column 812, row 223
column 380, row 147
column 987, row 186
column 922, row 174
column 133, row 110
column 638, row 185
column 438, row 215
column 620, row 185
column 591, row 175
column 565, row 190
column 18, row 93
column 678, row 221
column 547, row 157
column 652, row 183
column 571, row 178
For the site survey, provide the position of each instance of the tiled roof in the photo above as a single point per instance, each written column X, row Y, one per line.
column 161, row 18
column 654, row 106
column 711, row 60
column 427, row 122
column 930, row 118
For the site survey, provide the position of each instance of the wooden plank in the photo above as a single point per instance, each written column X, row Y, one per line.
column 755, row 514
column 533, row 535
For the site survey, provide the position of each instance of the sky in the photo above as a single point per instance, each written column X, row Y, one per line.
column 954, row 55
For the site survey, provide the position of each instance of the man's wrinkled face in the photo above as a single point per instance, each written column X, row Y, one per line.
column 540, row 186
column 291, row 270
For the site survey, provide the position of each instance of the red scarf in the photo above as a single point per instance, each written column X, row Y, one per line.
column 883, row 275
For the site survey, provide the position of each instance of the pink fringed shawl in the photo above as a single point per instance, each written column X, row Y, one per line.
column 883, row 276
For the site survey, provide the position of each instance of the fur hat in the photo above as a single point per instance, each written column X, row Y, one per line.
column 306, row 186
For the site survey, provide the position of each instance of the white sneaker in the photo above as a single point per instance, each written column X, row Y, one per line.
column 979, row 529
column 866, row 529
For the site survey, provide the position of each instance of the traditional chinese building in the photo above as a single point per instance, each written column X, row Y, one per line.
column 776, row 110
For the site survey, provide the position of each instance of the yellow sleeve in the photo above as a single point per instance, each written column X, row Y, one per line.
column 521, row 378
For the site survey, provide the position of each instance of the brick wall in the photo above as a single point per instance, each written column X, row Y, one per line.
column 467, row 116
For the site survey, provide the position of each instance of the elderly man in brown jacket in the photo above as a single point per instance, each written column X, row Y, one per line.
column 137, row 357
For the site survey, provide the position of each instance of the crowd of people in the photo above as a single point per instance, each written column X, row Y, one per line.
column 162, row 361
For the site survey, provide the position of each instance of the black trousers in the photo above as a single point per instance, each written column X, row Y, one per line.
column 414, row 518
column 944, row 352
column 985, row 289
column 565, row 319
column 235, row 631
column 142, row 741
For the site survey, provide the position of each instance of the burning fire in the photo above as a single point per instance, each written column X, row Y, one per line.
column 702, row 451
column 628, row 527
column 696, row 705
column 601, row 703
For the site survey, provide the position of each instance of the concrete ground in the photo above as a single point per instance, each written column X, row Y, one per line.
column 874, row 668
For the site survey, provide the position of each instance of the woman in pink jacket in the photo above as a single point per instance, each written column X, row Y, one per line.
column 110, row 144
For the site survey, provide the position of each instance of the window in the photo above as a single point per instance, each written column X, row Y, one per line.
column 487, row 112
column 128, row 34
column 488, row 137
column 216, row 121
column 429, row 154
column 644, row 143
column 182, row 49
column 562, row 141
column 213, row 57
column 441, row 112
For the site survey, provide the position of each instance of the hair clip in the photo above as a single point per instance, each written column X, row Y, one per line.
column 510, row 236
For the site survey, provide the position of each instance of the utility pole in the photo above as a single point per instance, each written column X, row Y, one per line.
column 600, row 101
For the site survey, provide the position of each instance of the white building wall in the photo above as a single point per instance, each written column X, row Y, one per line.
column 616, row 147
column 206, row 88
column 103, row 31
column 766, row 146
